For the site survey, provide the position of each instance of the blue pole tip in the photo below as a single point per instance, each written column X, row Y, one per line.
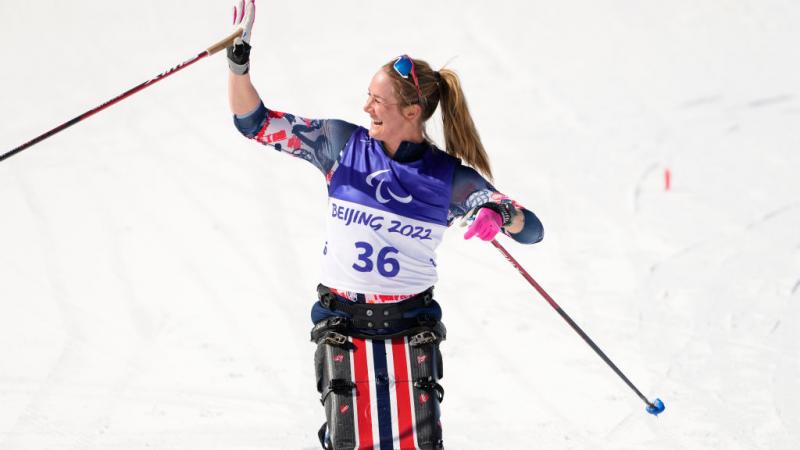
column 656, row 408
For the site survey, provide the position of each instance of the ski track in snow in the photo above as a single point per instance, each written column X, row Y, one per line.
column 35, row 417
column 770, row 101
column 772, row 215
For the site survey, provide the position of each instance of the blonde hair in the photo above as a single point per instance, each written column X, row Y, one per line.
column 460, row 135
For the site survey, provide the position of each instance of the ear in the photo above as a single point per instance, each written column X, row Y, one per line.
column 412, row 112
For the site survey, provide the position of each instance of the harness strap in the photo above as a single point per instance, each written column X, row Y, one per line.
column 374, row 311
column 430, row 385
column 338, row 386
column 334, row 330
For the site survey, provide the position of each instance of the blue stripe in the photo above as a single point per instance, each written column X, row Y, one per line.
column 382, row 394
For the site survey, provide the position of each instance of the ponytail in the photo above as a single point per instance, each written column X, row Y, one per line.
column 444, row 87
column 460, row 135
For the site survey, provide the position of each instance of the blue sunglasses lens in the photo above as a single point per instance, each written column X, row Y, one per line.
column 403, row 66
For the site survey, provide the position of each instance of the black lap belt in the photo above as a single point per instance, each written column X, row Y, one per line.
column 421, row 331
column 376, row 315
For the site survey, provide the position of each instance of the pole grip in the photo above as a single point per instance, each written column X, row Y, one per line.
column 225, row 43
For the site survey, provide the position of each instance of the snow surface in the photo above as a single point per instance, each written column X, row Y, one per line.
column 157, row 269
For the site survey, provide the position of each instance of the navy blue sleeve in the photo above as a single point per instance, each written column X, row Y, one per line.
column 471, row 190
column 319, row 142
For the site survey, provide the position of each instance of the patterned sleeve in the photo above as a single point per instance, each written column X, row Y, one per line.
column 317, row 141
column 471, row 190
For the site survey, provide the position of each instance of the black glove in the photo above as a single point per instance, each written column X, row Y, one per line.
column 506, row 211
column 239, row 57
column 244, row 14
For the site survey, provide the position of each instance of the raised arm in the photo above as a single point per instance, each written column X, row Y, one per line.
column 242, row 95
column 317, row 141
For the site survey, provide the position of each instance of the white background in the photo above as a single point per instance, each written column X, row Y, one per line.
column 157, row 269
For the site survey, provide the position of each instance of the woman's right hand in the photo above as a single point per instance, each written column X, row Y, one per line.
column 244, row 14
column 242, row 95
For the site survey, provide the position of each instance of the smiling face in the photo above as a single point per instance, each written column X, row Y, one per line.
column 390, row 122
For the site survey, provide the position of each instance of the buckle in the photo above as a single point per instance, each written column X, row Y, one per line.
column 329, row 325
column 336, row 339
column 340, row 385
column 325, row 295
column 423, row 337
column 337, row 386
column 427, row 297
column 338, row 323
column 430, row 385
column 326, row 300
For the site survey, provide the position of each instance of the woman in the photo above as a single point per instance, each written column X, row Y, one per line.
column 392, row 194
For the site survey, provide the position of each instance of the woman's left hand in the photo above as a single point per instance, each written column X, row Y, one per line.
column 486, row 225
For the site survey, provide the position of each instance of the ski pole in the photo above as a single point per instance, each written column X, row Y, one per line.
column 656, row 407
column 207, row 52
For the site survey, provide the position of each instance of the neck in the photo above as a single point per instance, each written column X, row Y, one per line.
column 391, row 145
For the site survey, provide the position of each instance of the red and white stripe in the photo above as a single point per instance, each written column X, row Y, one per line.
column 401, row 394
column 362, row 404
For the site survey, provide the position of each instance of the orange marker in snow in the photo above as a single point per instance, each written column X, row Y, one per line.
column 667, row 179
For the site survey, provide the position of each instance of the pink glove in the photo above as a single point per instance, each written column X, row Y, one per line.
column 486, row 225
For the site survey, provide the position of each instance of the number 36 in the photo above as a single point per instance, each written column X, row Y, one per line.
column 387, row 266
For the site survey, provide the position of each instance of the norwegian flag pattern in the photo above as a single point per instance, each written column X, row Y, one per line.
column 384, row 395
column 382, row 410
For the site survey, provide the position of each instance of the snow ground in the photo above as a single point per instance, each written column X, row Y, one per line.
column 156, row 269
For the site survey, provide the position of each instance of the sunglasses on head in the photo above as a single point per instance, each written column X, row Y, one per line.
column 404, row 66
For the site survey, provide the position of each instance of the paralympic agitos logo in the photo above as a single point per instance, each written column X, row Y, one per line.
column 379, row 189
